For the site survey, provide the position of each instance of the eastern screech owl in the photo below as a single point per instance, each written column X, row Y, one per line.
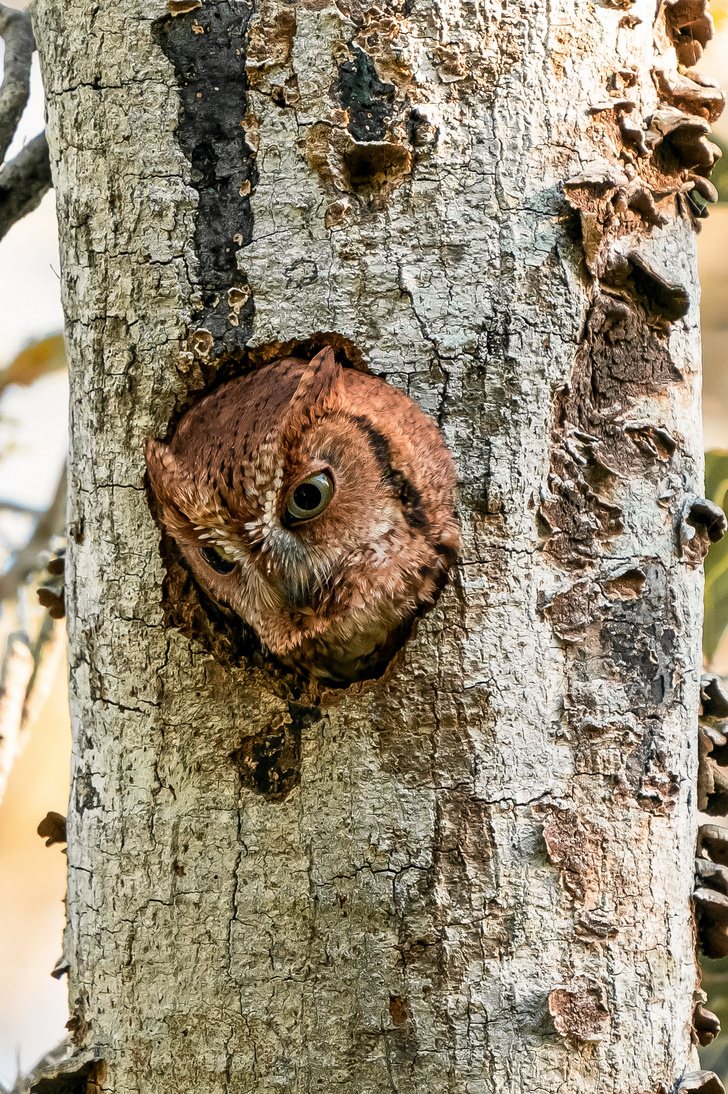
column 316, row 502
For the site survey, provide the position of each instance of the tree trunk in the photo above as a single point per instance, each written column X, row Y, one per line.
column 472, row 875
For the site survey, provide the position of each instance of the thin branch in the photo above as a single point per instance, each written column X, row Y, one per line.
column 16, row 29
column 53, row 1061
column 46, row 652
column 25, row 563
column 17, row 669
column 22, row 510
column 24, row 182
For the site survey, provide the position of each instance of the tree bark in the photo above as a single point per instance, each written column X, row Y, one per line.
column 473, row 875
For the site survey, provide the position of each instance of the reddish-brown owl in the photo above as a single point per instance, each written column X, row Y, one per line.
column 316, row 502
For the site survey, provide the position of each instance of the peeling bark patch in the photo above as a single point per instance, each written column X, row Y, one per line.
column 700, row 1082
column 593, row 441
column 634, row 275
column 402, row 1044
column 626, row 586
column 270, row 44
column 466, row 64
column 703, row 523
column 713, row 700
column 579, row 1010
column 690, row 94
column 370, row 155
column 690, row 25
column 573, row 845
column 571, row 612
column 711, row 890
column 712, row 773
column 656, row 786
column 270, row 762
column 206, row 45
column 369, row 169
column 706, row 1025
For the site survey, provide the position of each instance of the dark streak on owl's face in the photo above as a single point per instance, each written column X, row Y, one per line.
column 315, row 502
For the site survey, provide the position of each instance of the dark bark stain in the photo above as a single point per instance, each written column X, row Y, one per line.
column 85, row 794
column 207, row 49
column 269, row 763
column 647, row 771
column 638, row 640
column 367, row 98
column 624, row 629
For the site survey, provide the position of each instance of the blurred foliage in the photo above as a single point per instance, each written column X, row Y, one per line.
column 715, row 984
column 719, row 11
column 29, row 638
column 715, row 973
column 36, row 360
column 716, row 562
column 719, row 174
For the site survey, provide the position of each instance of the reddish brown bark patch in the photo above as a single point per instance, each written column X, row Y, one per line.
column 400, row 1011
column 579, row 1010
column 575, row 846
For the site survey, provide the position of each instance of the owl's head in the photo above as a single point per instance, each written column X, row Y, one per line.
column 296, row 496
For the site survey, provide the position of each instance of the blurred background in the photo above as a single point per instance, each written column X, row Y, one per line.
column 33, row 407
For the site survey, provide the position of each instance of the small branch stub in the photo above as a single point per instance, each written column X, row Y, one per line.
column 700, row 1082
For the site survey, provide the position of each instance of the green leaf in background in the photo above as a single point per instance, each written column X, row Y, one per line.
column 719, row 174
column 716, row 562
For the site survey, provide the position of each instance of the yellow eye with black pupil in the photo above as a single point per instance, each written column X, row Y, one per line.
column 221, row 563
column 310, row 497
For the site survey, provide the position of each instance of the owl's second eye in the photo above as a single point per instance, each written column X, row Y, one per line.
column 220, row 561
column 310, row 497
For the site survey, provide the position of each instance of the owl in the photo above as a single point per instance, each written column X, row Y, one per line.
column 316, row 502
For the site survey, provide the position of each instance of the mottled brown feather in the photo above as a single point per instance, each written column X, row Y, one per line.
column 334, row 596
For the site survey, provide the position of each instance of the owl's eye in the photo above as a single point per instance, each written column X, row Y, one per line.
column 221, row 561
column 310, row 497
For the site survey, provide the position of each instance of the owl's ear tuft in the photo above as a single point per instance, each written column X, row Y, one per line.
column 320, row 383
column 171, row 484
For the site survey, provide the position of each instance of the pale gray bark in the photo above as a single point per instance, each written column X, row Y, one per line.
column 476, row 877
